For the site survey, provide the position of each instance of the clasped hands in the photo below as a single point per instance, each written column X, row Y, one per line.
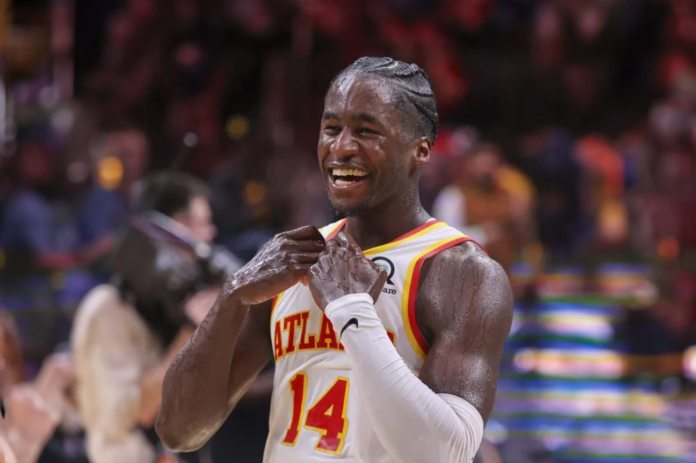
column 343, row 269
column 331, row 269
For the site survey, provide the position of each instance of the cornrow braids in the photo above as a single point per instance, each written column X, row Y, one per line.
column 411, row 84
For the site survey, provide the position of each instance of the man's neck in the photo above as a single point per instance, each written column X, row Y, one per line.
column 372, row 228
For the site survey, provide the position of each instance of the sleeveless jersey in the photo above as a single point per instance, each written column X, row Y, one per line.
column 316, row 412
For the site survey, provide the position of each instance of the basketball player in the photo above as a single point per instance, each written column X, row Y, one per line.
column 386, row 328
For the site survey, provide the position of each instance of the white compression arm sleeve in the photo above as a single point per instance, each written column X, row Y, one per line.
column 412, row 422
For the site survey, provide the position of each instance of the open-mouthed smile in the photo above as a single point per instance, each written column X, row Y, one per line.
column 344, row 176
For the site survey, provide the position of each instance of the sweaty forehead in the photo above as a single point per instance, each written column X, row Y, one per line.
column 357, row 92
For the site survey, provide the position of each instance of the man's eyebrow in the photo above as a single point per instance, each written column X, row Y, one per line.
column 365, row 117
column 369, row 118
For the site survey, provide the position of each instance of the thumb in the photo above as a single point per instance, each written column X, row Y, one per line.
column 377, row 286
column 344, row 239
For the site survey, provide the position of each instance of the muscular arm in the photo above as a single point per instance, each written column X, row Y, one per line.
column 465, row 302
column 231, row 346
column 211, row 373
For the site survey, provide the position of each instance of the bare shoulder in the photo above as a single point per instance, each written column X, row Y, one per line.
column 461, row 269
column 460, row 283
column 465, row 254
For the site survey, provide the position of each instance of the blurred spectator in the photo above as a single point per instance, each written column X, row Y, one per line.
column 602, row 190
column 546, row 157
column 33, row 410
column 40, row 244
column 106, row 206
column 11, row 364
column 125, row 335
column 490, row 201
column 36, row 230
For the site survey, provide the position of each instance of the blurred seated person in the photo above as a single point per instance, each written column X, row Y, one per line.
column 39, row 235
column 105, row 208
column 127, row 332
column 32, row 410
column 39, row 241
column 489, row 201
column 35, row 232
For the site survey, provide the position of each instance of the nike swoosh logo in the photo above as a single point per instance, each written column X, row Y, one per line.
column 352, row 321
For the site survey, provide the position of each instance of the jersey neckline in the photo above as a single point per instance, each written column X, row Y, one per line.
column 420, row 230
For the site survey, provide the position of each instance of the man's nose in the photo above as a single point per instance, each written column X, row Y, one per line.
column 344, row 145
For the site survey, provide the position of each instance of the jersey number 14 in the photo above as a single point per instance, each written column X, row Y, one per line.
column 327, row 416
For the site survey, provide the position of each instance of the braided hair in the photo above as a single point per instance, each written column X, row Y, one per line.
column 410, row 84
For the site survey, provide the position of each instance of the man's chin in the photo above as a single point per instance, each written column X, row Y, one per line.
column 344, row 209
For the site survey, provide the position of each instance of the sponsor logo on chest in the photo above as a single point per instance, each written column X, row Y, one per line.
column 389, row 267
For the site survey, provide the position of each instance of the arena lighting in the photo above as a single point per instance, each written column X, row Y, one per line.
column 668, row 248
column 110, row 172
column 237, row 127
column 190, row 139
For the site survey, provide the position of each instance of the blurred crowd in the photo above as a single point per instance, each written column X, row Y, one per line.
column 567, row 137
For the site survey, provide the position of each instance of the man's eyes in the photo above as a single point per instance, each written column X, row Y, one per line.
column 363, row 131
column 366, row 131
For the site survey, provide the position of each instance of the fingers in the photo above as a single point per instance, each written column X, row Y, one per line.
column 342, row 238
column 307, row 232
column 57, row 370
column 306, row 257
column 345, row 240
column 314, row 271
column 303, row 239
column 309, row 246
column 376, row 289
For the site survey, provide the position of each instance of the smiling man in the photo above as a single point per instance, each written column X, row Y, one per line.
column 386, row 327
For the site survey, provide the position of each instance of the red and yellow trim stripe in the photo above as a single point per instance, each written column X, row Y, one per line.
column 408, row 301
column 330, row 231
column 426, row 227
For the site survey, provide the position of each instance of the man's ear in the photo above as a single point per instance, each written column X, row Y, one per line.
column 423, row 150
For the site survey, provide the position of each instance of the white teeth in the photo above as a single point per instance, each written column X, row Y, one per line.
column 341, row 182
column 338, row 172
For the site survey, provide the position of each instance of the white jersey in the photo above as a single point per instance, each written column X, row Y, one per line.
column 315, row 410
